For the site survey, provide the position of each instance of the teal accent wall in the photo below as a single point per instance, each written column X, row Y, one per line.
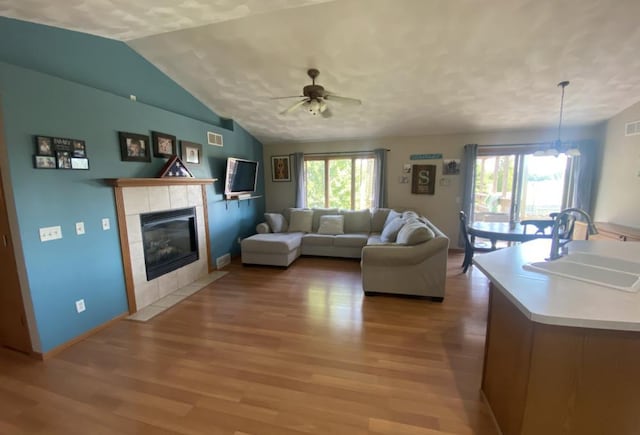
column 97, row 62
column 90, row 266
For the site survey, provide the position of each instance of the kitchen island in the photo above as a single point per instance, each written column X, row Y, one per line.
column 561, row 356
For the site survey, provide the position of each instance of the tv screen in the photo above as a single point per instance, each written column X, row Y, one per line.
column 241, row 176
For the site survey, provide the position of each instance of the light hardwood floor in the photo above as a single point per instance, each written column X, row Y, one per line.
column 269, row 351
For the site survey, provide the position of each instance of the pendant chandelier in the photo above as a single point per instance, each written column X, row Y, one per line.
column 557, row 147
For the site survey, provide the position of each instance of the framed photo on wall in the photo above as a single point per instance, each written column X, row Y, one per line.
column 164, row 145
column 44, row 146
column 280, row 168
column 191, row 152
column 134, row 147
column 423, row 179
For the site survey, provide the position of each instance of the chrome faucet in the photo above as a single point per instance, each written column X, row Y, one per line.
column 555, row 234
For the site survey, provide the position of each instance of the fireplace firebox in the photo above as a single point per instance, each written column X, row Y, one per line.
column 169, row 239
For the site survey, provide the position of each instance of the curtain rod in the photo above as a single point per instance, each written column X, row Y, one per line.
column 517, row 144
column 343, row 152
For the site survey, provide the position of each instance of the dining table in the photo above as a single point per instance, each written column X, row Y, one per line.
column 505, row 231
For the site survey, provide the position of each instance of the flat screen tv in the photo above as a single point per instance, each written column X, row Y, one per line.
column 241, row 177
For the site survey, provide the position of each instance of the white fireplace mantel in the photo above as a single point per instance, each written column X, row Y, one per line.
column 135, row 196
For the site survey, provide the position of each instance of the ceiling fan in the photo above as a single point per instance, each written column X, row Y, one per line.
column 315, row 97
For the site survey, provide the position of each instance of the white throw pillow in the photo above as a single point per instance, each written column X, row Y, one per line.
column 413, row 233
column 276, row 222
column 301, row 221
column 390, row 231
column 391, row 216
column 331, row 224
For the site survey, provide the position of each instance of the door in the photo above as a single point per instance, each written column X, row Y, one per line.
column 14, row 332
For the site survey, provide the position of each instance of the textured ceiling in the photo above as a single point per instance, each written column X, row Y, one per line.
column 420, row 66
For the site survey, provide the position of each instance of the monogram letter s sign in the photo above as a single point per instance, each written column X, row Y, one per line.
column 424, row 179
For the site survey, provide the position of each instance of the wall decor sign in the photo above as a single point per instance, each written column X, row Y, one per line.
column 60, row 153
column 191, row 152
column 425, row 156
column 164, row 145
column 451, row 167
column 423, row 180
column 134, row 147
column 280, row 168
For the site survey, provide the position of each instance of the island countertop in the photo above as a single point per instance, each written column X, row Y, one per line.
column 555, row 300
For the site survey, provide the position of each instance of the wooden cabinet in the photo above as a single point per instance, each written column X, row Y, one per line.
column 558, row 380
column 607, row 231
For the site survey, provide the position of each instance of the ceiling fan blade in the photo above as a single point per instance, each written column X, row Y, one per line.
column 326, row 113
column 293, row 107
column 331, row 97
column 292, row 96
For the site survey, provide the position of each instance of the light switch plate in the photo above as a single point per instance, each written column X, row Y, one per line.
column 50, row 233
column 106, row 224
column 79, row 228
column 80, row 307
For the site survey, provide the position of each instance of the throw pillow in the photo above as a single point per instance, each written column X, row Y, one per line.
column 301, row 221
column 414, row 233
column 276, row 222
column 391, row 216
column 390, row 231
column 318, row 213
column 331, row 224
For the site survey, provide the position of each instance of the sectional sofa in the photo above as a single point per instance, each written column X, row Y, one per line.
column 400, row 252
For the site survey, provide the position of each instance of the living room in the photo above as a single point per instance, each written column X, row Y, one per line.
column 62, row 81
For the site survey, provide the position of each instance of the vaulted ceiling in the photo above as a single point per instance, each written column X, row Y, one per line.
column 419, row 66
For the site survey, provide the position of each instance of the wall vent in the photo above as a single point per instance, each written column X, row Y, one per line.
column 214, row 139
column 632, row 128
column 223, row 260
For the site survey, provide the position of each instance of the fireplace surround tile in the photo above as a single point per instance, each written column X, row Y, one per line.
column 194, row 195
column 134, row 230
column 136, row 200
column 159, row 198
column 146, row 293
column 178, row 196
column 168, row 283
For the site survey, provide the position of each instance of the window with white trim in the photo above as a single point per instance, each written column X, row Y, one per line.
column 340, row 181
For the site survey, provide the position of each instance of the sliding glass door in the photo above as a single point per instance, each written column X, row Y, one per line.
column 515, row 186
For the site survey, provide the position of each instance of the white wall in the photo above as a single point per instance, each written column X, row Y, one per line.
column 442, row 207
column 618, row 198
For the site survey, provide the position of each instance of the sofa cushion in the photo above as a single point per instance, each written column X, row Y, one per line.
column 331, row 224
column 391, row 230
column 413, row 233
column 352, row 240
column 276, row 243
column 357, row 221
column 287, row 212
column 391, row 216
column 301, row 221
column 318, row 213
column 378, row 218
column 276, row 222
column 313, row 239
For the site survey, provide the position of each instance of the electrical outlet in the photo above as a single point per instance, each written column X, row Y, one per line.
column 80, row 307
column 79, row 228
column 106, row 224
column 50, row 233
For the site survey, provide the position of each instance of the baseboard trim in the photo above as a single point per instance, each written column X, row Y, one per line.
column 56, row 350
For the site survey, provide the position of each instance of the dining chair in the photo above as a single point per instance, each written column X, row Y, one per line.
column 542, row 226
column 567, row 223
column 469, row 246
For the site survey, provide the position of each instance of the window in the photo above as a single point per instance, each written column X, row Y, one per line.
column 517, row 186
column 340, row 181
